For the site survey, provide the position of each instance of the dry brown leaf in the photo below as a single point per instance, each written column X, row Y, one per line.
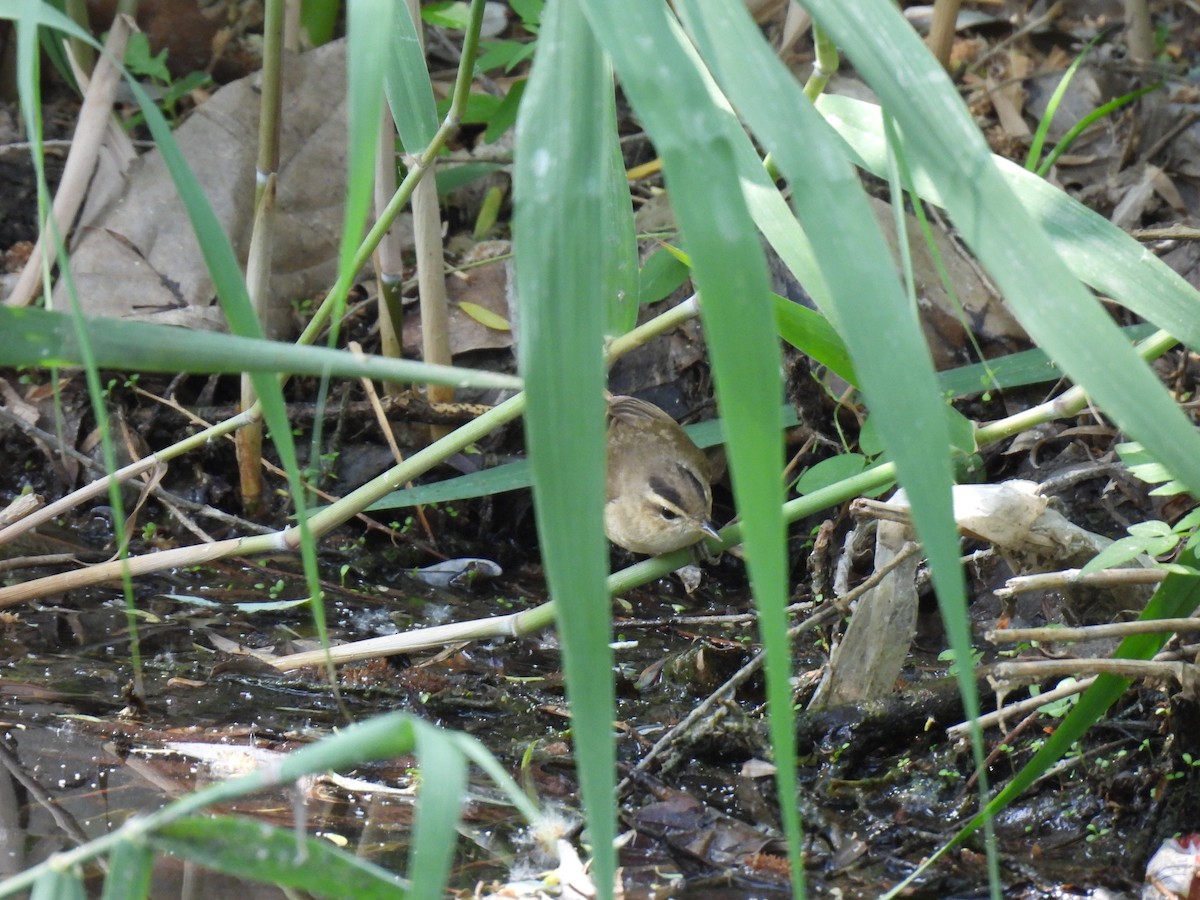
column 137, row 257
column 483, row 289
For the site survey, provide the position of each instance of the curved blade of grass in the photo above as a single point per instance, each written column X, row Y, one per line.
column 1002, row 234
column 693, row 131
column 235, row 303
column 566, row 246
column 1073, row 328
column 382, row 737
column 29, row 91
column 38, row 337
column 1086, row 122
column 43, row 14
column 246, row 848
column 1060, row 91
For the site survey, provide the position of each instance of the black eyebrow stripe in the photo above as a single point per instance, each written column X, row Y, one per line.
column 691, row 476
column 664, row 490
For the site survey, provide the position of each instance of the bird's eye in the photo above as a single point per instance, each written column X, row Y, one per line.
column 669, row 514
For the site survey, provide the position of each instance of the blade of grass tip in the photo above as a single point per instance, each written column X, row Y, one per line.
column 474, row 750
column 407, row 85
column 1086, row 122
column 562, row 266
column 370, row 28
column 1060, row 91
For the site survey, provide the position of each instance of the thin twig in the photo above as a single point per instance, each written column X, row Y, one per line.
column 1106, row 578
column 134, row 472
column 1048, row 16
column 1093, row 632
column 963, row 729
column 1037, row 670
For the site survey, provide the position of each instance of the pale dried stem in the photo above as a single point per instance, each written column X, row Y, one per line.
column 1049, row 581
column 1092, row 632
column 1125, row 668
column 94, row 120
column 1022, row 707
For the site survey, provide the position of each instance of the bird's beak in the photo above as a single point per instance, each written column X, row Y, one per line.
column 710, row 530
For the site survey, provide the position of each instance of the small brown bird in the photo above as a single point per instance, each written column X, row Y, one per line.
column 659, row 498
